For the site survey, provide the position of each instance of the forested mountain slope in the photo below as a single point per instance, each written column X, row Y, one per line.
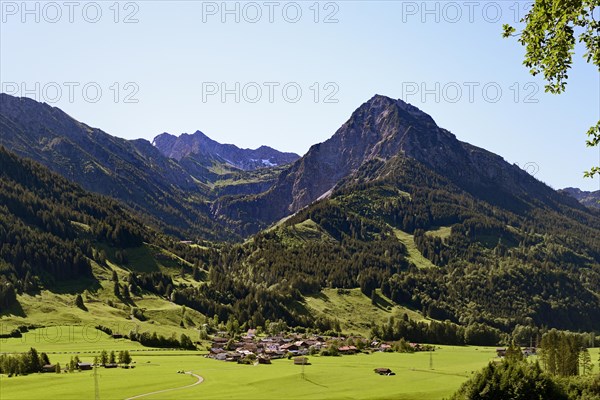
column 535, row 261
column 51, row 230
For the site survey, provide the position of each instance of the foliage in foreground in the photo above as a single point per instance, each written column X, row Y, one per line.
column 519, row 380
column 549, row 40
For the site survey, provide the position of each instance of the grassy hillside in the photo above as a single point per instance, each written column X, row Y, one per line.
column 354, row 310
column 57, row 307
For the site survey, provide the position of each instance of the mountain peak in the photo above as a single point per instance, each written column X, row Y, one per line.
column 384, row 129
column 379, row 101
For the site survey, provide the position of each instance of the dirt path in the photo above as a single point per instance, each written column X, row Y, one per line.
column 199, row 381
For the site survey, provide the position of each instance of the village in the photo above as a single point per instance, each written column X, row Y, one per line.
column 252, row 349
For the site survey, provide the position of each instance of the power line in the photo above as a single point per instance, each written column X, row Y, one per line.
column 96, row 386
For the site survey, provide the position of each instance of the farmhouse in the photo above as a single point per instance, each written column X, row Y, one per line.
column 49, row 368
column 383, row 371
column 301, row 361
column 233, row 357
column 219, row 342
column 264, row 360
column 347, row 349
column 84, row 366
column 289, row 347
column 385, row 347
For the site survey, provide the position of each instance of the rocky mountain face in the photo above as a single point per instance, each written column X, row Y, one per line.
column 380, row 129
column 588, row 199
column 199, row 146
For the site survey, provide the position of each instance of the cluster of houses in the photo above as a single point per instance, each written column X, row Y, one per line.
column 264, row 349
column 268, row 348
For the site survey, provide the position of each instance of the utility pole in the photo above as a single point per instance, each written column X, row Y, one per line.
column 96, row 386
column 430, row 360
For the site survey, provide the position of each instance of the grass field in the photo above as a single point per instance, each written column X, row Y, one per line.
column 326, row 377
column 347, row 377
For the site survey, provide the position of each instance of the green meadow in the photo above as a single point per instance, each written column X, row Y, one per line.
column 155, row 369
column 418, row 376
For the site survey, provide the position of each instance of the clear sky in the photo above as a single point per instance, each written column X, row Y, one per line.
column 235, row 71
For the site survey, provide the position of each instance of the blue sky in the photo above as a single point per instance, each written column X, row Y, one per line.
column 173, row 60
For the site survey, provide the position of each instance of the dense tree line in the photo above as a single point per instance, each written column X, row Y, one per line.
column 154, row 340
column 437, row 332
column 24, row 363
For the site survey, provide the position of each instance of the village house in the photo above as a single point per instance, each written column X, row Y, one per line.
column 84, row 366
column 291, row 347
column 219, row 342
column 385, row 347
column 49, row 368
column 384, row 371
column 347, row 350
column 301, row 361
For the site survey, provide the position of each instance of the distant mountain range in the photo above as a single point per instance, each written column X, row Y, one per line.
column 589, row 199
column 199, row 147
column 172, row 181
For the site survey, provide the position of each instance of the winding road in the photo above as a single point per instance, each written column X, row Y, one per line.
column 199, row 381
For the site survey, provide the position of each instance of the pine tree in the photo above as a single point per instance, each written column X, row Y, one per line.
column 126, row 294
column 79, row 302
column 103, row 357
column 513, row 353
column 126, row 358
column 44, row 360
column 586, row 362
column 196, row 274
